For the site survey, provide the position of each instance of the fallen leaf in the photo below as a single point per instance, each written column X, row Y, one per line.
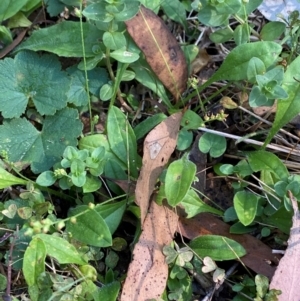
column 161, row 49
column 148, row 272
column 286, row 277
column 260, row 111
column 158, row 147
column 258, row 254
column 201, row 60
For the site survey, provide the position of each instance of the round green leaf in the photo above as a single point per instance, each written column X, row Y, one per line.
column 185, row 139
column 179, row 178
column 245, row 205
column 106, row 92
column 124, row 56
column 217, row 247
column 214, row 144
column 46, row 178
column 114, row 40
column 191, row 120
column 92, row 184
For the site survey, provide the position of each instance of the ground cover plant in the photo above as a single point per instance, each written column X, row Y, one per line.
column 148, row 150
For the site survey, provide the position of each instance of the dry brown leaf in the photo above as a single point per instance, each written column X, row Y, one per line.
column 260, row 111
column 148, row 272
column 287, row 274
column 201, row 60
column 259, row 256
column 158, row 147
column 161, row 49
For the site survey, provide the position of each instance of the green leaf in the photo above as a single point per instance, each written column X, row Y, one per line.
column 249, row 6
column 210, row 17
column 77, row 93
column 114, row 40
column 124, row 56
column 175, row 11
column 152, row 4
column 214, row 144
column 91, row 184
column 97, row 12
column 78, row 173
column 130, row 10
column 61, row 249
column 46, row 178
column 184, row 140
column 256, row 66
column 148, row 124
column 112, row 214
column 26, row 78
column 289, row 108
column 239, row 228
column 241, row 34
column 54, row 7
column 221, row 35
column 34, row 261
column 272, row 30
column 262, row 160
column 281, row 219
column 90, row 228
column 235, row 65
column 106, row 92
column 108, row 292
column 258, row 99
column 145, row 76
column 18, row 20
column 7, row 179
column 99, row 140
column 42, row 149
column 245, row 205
column 262, row 285
column 193, row 205
column 179, row 178
column 3, row 282
column 217, row 247
column 64, row 39
column 114, row 170
column 122, row 139
column 8, row 8
column 191, row 120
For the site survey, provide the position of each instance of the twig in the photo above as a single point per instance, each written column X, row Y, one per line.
column 280, row 148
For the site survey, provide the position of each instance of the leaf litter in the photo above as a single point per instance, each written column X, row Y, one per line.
column 158, row 147
column 258, row 257
column 286, row 277
column 148, row 272
column 162, row 51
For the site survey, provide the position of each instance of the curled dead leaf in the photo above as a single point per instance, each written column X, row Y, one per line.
column 161, row 49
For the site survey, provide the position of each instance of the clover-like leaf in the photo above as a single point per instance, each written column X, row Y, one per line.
column 23, row 142
column 30, row 77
